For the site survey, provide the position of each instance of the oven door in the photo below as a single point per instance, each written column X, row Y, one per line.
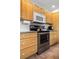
column 43, row 42
column 43, row 38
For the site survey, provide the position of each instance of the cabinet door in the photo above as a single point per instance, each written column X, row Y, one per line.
column 55, row 21
column 53, row 38
column 48, row 17
column 26, row 10
column 38, row 9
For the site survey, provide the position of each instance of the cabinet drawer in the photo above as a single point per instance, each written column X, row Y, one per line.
column 28, row 42
column 28, row 35
column 28, row 52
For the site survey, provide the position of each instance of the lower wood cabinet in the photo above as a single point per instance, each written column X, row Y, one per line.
column 28, row 35
column 28, row 52
column 25, row 43
column 53, row 38
column 28, row 44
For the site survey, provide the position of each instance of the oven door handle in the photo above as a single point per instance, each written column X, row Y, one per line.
column 47, row 37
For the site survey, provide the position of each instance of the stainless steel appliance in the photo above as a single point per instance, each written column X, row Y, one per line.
column 38, row 17
column 34, row 26
column 43, row 36
column 43, row 41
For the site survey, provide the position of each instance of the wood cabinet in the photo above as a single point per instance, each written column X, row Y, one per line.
column 28, row 44
column 27, row 35
column 55, row 21
column 48, row 17
column 54, row 38
column 26, row 10
column 25, row 43
column 38, row 9
column 28, row 51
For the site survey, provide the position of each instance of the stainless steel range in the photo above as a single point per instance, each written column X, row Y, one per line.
column 43, row 36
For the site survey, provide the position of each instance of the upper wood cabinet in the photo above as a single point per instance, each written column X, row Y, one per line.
column 26, row 10
column 38, row 9
column 55, row 21
column 48, row 17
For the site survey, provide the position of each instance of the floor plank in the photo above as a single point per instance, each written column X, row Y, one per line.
column 52, row 53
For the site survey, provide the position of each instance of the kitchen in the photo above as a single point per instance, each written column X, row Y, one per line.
column 39, row 28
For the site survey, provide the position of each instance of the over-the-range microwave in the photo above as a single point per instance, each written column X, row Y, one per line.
column 38, row 17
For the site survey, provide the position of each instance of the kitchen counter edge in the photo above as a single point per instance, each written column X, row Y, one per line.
column 29, row 32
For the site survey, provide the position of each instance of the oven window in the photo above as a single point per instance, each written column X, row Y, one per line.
column 44, row 38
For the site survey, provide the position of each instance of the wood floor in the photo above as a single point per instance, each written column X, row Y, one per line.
column 52, row 53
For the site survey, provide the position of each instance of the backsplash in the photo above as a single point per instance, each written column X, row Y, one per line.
column 24, row 27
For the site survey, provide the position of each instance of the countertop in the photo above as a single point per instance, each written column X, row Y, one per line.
column 29, row 32
column 34, row 31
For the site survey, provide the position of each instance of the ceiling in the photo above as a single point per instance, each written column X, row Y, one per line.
column 49, row 5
